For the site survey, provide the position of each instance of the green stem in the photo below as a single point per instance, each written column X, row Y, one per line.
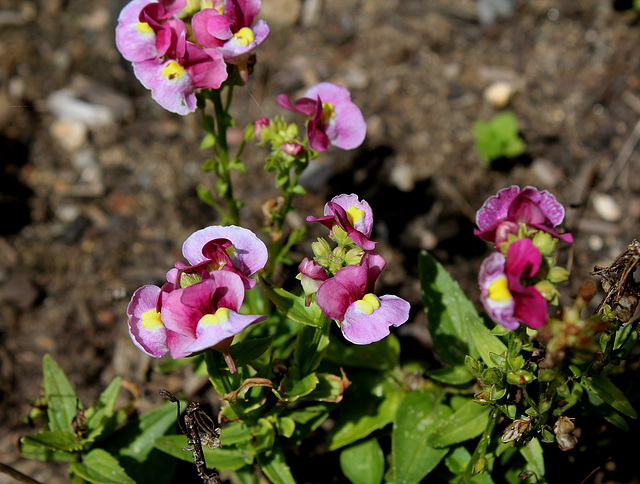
column 222, row 151
column 476, row 466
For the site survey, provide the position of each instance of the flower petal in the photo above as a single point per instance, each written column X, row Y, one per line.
column 362, row 328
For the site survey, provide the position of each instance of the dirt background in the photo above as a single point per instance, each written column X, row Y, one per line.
column 97, row 182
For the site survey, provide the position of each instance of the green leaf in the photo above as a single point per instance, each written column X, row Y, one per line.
column 532, row 452
column 381, row 355
column 100, row 467
column 275, row 467
column 293, row 306
column 208, row 141
column 415, row 421
column 246, row 351
column 607, row 391
column 457, row 375
column 363, row 462
column 292, row 387
column 605, row 410
column 307, row 420
column 61, row 398
column 133, row 444
column 447, row 308
column 311, row 346
column 483, row 340
column 102, row 409
column 53, row 440
column 223, row 458
column 372, row 405
column 31, row 451
column 467, row 422
column 205, row 195
column 285, row 426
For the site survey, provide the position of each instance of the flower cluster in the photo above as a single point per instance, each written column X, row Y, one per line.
column 176, row 49
column 518, row 280
column 332, row 118
column 343, row 279
column 199, row 305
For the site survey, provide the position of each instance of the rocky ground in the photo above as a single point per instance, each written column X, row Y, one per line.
column 97, row 182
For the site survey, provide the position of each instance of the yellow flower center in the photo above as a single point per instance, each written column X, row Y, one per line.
column 151, row 319
column 368, row 303
column 499, row 290
column 172, row 70
column 244, row 36
column 221, row 315
column 327, row 112
column 354, row 215
column 144, row 28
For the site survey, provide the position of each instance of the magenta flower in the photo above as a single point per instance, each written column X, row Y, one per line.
column 350, row 214
column 348, row 298
column 229, row 248
column 146, row 328
column 231, row 31
column 186, row 67
column 502, row 214
column 503, row 295
column 141, row 34
column 332, row 117
column 206, row 315
column 312, row 276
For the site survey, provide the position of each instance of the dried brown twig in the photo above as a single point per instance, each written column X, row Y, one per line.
column 199, row 429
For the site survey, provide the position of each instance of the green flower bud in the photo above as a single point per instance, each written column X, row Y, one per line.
column 548, row 290
column 480, row 465
column 491, row 376
column 558, row 274
column 520, row 377
column 321, row 248
column 339, row 252
column 353, row 256
column 340, row 236
column 187, row 280
column 544, row 242
column 546, row 375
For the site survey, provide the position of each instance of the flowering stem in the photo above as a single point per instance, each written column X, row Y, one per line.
column 478, row 461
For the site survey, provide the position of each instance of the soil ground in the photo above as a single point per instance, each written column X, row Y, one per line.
column 97, row 182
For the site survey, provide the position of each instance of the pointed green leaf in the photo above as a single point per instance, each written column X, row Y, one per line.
column 416, row 419
column 61, row 397
column 223, row 458
column 245, row 352
column 457, row 375
column 483, row 340
column 133, row 444
column 275, row 467
column 31, row 451
column 293, row 306
column 532, row 452
column 605, row 389
column 205, row 195
column 372, row 405
column 100, row 467
column 447, row 308
column 381, row 355
column 363, row 462
column 102, row 409
column 292, row 387
column 467, row 422
column 307, row 419
column 53, row 440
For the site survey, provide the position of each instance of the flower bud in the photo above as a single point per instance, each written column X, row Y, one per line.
column 544, row 242
column 557, row 274
column 353, row 256
column 321, row 248
column 340, row 236
column 548, row 290
column 516, row 429
column 491, row 376
column 292, row 149
column 519, row 377
column 258, row 125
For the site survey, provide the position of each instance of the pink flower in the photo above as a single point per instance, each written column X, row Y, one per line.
column 259, row 124
column 141, row 34
column 184, row 68
column 332, row 117
column 231, row 31
column 503, row 295
column 229, row 248
column 352, row 215
column 206, row 315
column 348, row 298
column 502, row 214
column 312, row 276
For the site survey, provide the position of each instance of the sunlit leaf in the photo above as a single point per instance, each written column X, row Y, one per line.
column 467, row 422
column 363, row 462
column 61, row 398
column 100, row 467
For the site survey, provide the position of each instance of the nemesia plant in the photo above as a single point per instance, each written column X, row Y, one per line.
column 502, row 390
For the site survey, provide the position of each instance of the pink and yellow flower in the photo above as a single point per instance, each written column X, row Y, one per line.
column 332, row 117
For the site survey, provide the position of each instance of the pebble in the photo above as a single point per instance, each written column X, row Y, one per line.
column 606, row 207
column 69, row 134
column 499, row 93
column 402, row 177
column 281, row 13
column 66, row 107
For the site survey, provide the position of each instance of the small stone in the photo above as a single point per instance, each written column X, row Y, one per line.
column 402, row 177
column 607, row 207
column 69, row 134
column 499, row 93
